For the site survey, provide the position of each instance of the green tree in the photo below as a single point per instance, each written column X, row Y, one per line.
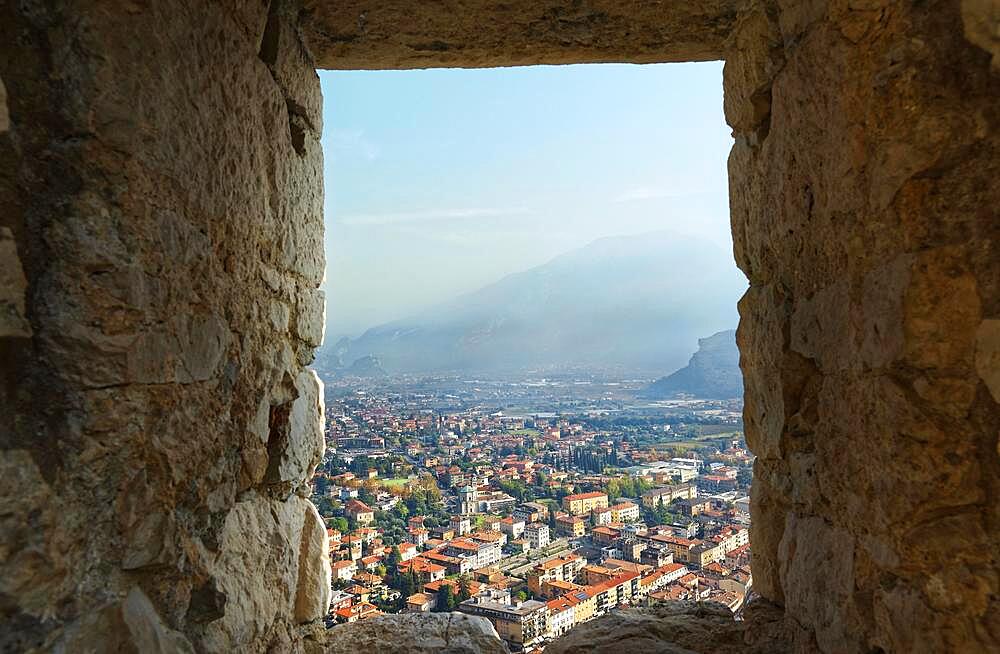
column 445, row 599
column 394, row 558
column 464, row 591
column 522, row 596
column 325, row 507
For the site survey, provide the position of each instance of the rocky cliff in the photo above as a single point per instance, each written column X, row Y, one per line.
column 713, row 372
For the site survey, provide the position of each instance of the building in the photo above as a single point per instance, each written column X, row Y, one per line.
column 560, row 619
column 583, row 503
column 601, row 517
column 490, row 537
column 513, row 528
column 419, row 603
column 343, row 570
column 605, row 535
column 480, row 554
column 520, row 626
column 705, row 553
column 407, row 551
column 532, row 512
column 423, row 569
column 461, row 525
column 360, row 512
column 667, row 494
column 418, row 536
column 468, row 500
column 538, row 535
column 563, row 568
column 355, row 612
column 624, row 512
column 693, row 507
column 571, row 526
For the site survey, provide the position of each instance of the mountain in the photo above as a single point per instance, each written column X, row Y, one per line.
column 637, row 303
column 712, row 373
column 366, row 366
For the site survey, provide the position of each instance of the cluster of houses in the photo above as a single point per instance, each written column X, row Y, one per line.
column 617, row 561
column 535, row 569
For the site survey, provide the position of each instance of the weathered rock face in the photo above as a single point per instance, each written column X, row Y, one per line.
column 416, row 633
column 413, row 34
column 864, row 211
column 161, row 251
column 160, row 257
column 673, row 628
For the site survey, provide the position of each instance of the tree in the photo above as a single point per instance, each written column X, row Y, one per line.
column 445, row 598
column 325, row 507
column 744, row 476
column 340, row 524
column 521, row 596
column 464, row 592
column 320, row 485
column 394, row 558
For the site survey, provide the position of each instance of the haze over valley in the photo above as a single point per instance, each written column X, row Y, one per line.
column 630, row 303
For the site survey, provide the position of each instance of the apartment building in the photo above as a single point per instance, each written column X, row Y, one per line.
column 560, row 619
column 571, row 526
column 537, row 535
column 520, row 626
column 564, row 568
column 583, row 503
column 624, row 512
column 667, row 494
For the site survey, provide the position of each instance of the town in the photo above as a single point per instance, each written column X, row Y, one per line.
column 538, row 505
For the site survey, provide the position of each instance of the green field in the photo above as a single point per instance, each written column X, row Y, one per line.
column 525, row 432
column 396, row 481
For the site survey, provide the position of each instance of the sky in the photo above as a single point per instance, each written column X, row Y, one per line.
column 441, row 181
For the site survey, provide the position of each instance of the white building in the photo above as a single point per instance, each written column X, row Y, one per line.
column 461, row 525
column 601, row 516
column 560, row 619
column 513, row 528
column 344, row 570
column 538, row 535
column 407, row 551
column 489, row 553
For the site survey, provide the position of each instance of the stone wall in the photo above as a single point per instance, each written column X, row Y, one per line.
column 161, row 250
column 865, row 213
column 160, row 255
column 364, row 34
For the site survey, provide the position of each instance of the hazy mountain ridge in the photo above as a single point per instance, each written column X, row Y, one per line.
column 635, row 302
column 713, row 372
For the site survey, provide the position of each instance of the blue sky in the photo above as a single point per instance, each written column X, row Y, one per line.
column 440, row 181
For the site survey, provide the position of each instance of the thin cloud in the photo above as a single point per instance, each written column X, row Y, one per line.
column 352, row 142
column 640, row 193
column 429, row 214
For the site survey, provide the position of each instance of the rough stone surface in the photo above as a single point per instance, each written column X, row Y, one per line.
column 160, row 257
column 416, row 633
column 161, row 253
column 4, row 113
column 865, row 218
column 13, row 286
column 312, row 589
column 672, row 628
column 456, row 33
